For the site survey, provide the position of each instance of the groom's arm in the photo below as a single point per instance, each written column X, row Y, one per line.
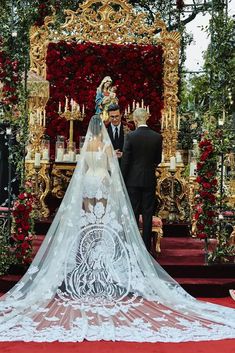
column 126, row 156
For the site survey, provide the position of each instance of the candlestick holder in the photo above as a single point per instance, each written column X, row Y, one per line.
column 72, row 116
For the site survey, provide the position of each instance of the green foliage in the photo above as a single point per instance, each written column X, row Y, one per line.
column 6, row 257
column 223, row 252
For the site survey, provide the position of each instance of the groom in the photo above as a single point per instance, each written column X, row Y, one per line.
column 142, row 152
column 115, row 129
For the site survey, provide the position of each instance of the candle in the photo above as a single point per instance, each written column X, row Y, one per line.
column 192, row 170
column 162, row 125
column 72, row 104
column 137, row 105
column 66, row 104
column 78, row 108
column 45, row 154
column 44, row 117
column 178, row 122
column 71, row 156
column 59, row 107
column 60, row 154
column 142, row 103
column 37, row 159
column 133, row 105
column 178, row 157
column 172, row 163
column 148, row 111
column 83, row 109
column 40, row 117
column 128, row 109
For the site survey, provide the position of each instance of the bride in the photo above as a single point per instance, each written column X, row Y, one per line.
column 93, row 278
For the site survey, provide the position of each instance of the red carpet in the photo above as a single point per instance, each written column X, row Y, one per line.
column 223, row 346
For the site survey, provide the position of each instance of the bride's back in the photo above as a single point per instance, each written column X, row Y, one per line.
column 96, row 157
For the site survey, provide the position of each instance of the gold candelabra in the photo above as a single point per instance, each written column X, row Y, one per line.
column 72, row 114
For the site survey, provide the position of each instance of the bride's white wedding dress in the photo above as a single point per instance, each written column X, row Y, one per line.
column 93, row 279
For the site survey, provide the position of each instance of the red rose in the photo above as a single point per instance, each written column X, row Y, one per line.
column 200, row 226
column 21, row 196
column 25, row 225
column 202, row 236
column 19, row 237
column 21, row 207
column 25, row 245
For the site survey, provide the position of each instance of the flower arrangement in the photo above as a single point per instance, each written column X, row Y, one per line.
column 23, row 226
column 9, row 76
column 205, row 212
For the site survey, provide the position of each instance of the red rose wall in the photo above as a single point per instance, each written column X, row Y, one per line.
column 76, row 70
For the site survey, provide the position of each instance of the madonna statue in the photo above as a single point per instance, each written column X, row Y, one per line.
column 105, row 95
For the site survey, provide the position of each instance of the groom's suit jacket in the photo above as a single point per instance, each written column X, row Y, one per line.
column 117, row 145
column 142, row 152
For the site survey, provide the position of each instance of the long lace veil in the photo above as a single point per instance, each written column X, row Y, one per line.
column 93, row 278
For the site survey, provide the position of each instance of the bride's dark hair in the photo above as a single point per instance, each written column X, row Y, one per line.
column 95, row 125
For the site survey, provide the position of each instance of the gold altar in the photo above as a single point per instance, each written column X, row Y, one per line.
column 106, row 22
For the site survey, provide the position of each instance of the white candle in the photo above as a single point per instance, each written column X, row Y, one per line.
column 128, row 109
column 148, row 111
column 45, row 154
column 60, row 154
column 178, row 122
column 59, row 107
column 178, row 157
column 137, row 105
column 162, row 125
column 44, row 117
column 83, row 109
column 71, row 156
column 133, row 105
column 66, row 157
column 142, row 103
column 72, row 104
column 66, row 104
column 37, row 159
column 172, row 163
column 192, row 170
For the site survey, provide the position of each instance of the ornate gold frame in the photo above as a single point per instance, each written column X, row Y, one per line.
column 108, row 22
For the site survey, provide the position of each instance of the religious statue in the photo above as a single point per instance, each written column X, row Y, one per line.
column 105, row 95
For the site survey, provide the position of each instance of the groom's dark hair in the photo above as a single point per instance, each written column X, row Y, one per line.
column 113, row 107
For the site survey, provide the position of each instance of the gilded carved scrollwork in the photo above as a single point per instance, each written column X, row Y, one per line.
column 172, row 194
column 61, row 175
column 41, row 186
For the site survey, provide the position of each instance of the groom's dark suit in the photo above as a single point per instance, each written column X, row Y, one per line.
column 142, row 152
column 117, row 144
